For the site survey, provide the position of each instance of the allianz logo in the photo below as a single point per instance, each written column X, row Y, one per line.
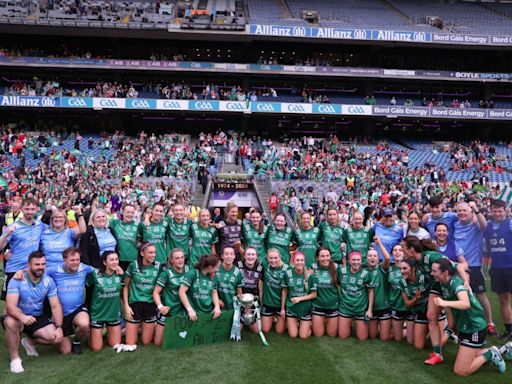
column 108, row 103
column 235, row 106
column 326, row 109
column 77, row 102
column 360, row 34
column 143, row 104
column 419, row 36
column 172, row 105
column 203, row 105
column 356, row 109
column 263, row 107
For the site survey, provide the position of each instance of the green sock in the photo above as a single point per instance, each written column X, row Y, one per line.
column 437, row 349
column 487, row 356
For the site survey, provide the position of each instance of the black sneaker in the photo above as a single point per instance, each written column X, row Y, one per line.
column 506, row 336
column 2, row 319
column 77, row 348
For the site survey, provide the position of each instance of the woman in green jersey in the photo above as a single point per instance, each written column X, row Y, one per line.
column 105, row 310
column 299, row 288
column 380, row 323
column 154, row 229
column 126, row 233
column 230, row 279
column 414, row 287
column 332, row 235
column 204, row 237
column 400, row 313
column 166, row 292
column 281, row 237
column 139, row 305
column 425, row 254
column 273, row 271
column 307, row 238
column 325, row 306
column 470, row 321
column 255, row 234
column 199, row 288
column 357, row 297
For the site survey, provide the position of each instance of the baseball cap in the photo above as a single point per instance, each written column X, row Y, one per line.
column 388, row 212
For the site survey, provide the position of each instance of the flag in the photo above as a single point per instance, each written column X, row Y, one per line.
column 506, row 195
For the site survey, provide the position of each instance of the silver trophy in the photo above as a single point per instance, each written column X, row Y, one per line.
column 246, row 312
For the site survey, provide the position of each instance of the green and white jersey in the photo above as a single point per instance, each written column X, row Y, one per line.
column 425, row 266
column 170, row 280
column 308, row 243
column 157, row 235
column 420, row 284
column 326, row 290
column 202, row 240
column 229, row 281
column 380, row 288
column 471, row 320
column 143, row 281
column 358, row 240
column 298, row 286
column 200, row 288
column 354, row 290
column 179, row 235
column 281, row 239
column 253, row 238
column 127, row 235
column 105, row 297
column 395, row 293
column 331, row 238
column 272, row 284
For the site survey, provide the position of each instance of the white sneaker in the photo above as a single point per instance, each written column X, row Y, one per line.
column 29, row 347
column 16, row 366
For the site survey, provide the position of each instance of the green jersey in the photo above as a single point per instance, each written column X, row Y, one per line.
column 200, row 289
column 229, row 281
column 471, row 320
column 380, row 288
column 170, row 280
column 126, row 235
column 358, row 240
column 281, row 239
column 326, row 290
column 156, row 234
column 354, row 291
column 253, row 238
column 202, row 241
column 308, row 243
column 331, row 238
column 179, row 235
column 420, row 284
column 272, row 284
column 298, row 286
column 105, row 297
column 395, row 293
column 142, row 281
column 425, row 266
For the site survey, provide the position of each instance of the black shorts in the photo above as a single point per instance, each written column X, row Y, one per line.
column 353, row 316
column 67, row 324
column 501, row 280
column 472, row 340
column 101, row 324
column 270, row 311
column 301, row 318
column 145, row 312
column 327, row 313
column 402, row 315
column 160, row 318
column 41, row 322
column 7, row 277
column 421, row 318
column 476, row 280
column 384, row 314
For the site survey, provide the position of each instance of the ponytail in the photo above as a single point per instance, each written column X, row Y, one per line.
column 206, row 261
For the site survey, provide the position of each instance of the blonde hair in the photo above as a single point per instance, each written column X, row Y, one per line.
column 55, row 211
column 95, row 213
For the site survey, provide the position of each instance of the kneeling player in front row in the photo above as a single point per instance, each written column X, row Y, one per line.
column 470, row 322
column 24, row 303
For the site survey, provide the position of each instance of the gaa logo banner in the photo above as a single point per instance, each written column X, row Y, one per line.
column 327, row 109
column 172, row 105
column 363, row 110
column 108, row 103
column 76, row 102
column 140, row 104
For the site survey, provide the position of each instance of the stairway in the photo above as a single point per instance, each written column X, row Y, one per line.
column 198, row 195
column 285, row 9
column 262, row 189
column 398, row 12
